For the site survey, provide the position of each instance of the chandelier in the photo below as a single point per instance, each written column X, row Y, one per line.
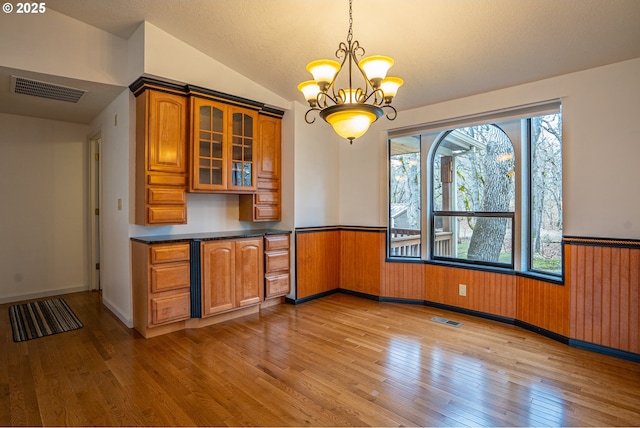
column 351, row 102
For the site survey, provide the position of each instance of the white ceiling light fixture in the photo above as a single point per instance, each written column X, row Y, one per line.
column 349, row 106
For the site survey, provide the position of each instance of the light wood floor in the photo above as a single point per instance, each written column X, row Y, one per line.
column 336, row 361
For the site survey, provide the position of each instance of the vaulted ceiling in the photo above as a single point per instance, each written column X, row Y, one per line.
column 443, row 49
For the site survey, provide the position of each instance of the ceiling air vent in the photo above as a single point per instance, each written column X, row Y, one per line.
column 36, row 88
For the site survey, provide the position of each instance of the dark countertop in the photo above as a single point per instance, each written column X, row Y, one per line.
column 208, row 236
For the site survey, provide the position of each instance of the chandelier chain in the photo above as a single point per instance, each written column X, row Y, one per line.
column 350, row 34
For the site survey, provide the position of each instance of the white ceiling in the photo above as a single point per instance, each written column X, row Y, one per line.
column 443, row 49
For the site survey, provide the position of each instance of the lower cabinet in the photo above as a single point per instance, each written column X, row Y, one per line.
column 276, row 272
column 161, row 287
column 232, row 274
column 194, row 283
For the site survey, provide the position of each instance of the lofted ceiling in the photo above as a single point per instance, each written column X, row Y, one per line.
column 443, row 49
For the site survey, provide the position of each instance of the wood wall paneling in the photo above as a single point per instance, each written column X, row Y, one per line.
column 604, row 284
column 317, row 262
column 403, row 280
column 488, row 292
column 543, row 304
column 360, row 260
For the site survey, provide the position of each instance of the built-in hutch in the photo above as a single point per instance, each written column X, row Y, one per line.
column 192, row 139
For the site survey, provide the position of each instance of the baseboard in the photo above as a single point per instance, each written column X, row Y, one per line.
column 601, row 349
column 312, row 297
column 125, row 320
column 547, row 333
column 41, row 294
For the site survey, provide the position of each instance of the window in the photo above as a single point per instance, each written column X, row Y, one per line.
column 493, row 193
column 473, row 196
column 545, row 231
column 404, row 197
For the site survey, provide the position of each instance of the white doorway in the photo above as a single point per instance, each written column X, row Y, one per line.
column 94, row 212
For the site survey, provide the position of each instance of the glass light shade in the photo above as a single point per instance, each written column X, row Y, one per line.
column 310, row 91
column 323, row 71
column 390, row 86
column 376, row 67
column 351, row 121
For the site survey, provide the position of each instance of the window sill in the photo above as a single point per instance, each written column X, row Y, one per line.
column 553, row 279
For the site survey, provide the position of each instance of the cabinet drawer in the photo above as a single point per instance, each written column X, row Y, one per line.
column 270, row 184
column 276, row 261
column 167, row 214
column 276, row 285
column 267, row 212
column 166, row 180
column 166, row 195
column 276, row 242
column 171, row 308
column 169, row 277
column 267, row 198
column 169, row 253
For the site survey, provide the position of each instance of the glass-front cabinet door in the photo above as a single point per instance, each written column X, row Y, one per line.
column 243, row 141
column 208, row 164
column 223, row 147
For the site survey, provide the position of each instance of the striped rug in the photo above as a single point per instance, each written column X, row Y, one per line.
column 42, row 318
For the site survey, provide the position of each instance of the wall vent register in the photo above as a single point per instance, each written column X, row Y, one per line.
column 36, row 88
column 445, row 321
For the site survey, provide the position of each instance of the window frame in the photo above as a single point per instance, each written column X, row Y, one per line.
column 521, row 218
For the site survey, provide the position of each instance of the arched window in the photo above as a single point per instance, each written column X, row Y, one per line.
column 484, row 191
column 473, row 196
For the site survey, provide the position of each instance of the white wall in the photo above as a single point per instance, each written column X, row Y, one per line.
column 317, row 172
column 116, row 126
column 53, row 43
column 601, row 148
column 43, row 209
column 169, row 57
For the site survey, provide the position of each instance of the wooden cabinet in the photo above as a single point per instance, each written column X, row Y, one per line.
column 223, row 147
column 264, row 204
column 161, row 158
column 161, row 287
column 232, row 274
column 276, row 265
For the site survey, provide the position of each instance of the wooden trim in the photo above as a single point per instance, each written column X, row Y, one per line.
column 601, row 242
column 222, row 97
column 145, row 82
column 310, row 229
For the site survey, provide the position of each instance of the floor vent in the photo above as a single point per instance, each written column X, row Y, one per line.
column 36, row 88
column 446, row 322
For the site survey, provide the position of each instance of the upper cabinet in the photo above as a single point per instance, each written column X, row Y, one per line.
column 264, row 204
column 192, row 139
column 161, row 158
column 223, row 147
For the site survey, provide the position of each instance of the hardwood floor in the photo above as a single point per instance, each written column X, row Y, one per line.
column 336, row 361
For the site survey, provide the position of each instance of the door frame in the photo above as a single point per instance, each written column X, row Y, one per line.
column 95, row 198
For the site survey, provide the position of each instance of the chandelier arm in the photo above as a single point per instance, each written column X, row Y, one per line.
column 342, row 54
column 306, row 115
column 392, row 114
column 326, row 95
column 378, row 97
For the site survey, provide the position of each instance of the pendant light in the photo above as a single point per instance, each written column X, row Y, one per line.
column 350, row 95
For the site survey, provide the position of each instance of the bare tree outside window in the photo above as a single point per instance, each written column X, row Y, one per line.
column 546, row 193
column 477, row 165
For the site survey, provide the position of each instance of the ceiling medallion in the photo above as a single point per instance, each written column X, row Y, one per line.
column 350, row 107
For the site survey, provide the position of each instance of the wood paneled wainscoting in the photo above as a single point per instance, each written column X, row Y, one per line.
column 603, row 276
column 595, row 308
